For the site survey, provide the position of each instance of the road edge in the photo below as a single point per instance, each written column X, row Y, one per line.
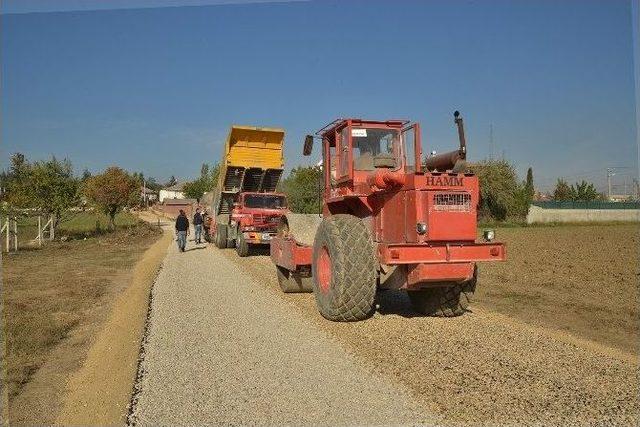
column 100, row 392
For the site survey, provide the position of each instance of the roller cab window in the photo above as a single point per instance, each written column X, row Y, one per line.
column 375, row 148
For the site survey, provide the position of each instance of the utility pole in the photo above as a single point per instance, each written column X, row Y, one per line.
column 491, row 144
column 609, row 175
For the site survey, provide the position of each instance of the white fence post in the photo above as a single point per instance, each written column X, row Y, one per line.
column 15, row 233
column 51, row 231
column 39, row 231
column 6, row 227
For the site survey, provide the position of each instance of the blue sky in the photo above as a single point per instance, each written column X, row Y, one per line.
column 155, row 89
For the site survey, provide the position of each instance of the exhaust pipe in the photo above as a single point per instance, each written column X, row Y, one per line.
column 452, row 160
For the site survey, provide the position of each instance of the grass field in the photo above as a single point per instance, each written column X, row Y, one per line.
column 50, row 291
column 76, row 226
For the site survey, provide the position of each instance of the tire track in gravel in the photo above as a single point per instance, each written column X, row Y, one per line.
column 482, row 367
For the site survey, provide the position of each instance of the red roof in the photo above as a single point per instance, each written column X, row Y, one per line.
column 183, row 202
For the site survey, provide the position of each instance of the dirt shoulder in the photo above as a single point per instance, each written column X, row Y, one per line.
column 100, row 392
column 56, row 301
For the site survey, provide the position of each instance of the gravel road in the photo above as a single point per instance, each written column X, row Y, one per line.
column 226, row 346
column 483, row 367
column 223, row 349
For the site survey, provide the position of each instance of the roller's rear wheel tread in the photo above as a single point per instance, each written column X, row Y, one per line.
column 353, row 269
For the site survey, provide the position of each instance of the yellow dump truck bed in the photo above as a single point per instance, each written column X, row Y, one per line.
column 254, row 147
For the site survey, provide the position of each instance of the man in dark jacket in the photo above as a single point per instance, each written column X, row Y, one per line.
column 198, row 220
column 182, row 229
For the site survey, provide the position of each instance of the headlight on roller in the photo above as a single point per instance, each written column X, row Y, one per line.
column 489, row 235
column 421, row 228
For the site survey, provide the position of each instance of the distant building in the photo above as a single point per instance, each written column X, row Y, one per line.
column 540, row 196
column 148, row 196
column 173, row 192
column 172, row 207
column 620, row 198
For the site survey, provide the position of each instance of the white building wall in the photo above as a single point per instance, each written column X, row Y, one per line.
column 541, row 215
column 169, row 194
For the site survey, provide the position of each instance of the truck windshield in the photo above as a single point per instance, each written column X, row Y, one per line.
column 375, row 148
column 264, row 201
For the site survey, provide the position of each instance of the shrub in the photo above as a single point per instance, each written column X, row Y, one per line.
column 303, row 188
column 502, row 197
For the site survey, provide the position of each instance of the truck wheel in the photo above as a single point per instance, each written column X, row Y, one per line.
column 344, row 269
column 291, row 281
column 221, row 236
column 449, row 301
column 242, row 247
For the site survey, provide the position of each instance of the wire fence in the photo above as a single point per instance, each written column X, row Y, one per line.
column 20, row 232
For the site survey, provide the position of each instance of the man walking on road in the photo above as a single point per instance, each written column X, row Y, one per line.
column 198, row 220
column 182, row 229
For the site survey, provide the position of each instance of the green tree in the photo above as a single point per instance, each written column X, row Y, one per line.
column 212, row 175
column 205, row 182
column 111, row 191
column 303, row 188
column 195, row 189
column 562, row 191
column 172, row 181
column 584, row 192
column 16, row 182
column 85, row 175
column 528, row 186
column 501, row 194
column 46, row 186
column 152, row 184
column 52, row 188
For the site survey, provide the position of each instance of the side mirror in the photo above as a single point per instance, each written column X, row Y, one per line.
column 308, row 145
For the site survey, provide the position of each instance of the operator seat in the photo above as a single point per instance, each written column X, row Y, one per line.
column 364, row 162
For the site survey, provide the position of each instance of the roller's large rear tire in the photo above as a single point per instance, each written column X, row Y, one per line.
column 344, row 269
column 448, row 301
column 242, row 246
column 221, row 236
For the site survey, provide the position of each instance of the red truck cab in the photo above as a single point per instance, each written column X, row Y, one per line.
column 254, row 219
column 256, row 215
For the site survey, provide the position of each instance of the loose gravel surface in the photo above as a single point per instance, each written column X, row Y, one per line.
column 482, row 367
column 226, row 346
column 223, row 349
